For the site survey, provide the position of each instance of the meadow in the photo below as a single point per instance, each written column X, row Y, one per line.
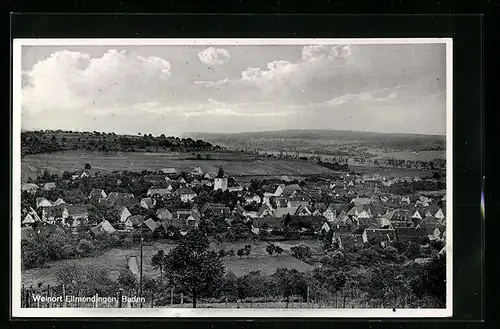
column 115, row 260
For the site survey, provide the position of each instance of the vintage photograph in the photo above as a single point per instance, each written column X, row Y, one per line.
column 232, row 177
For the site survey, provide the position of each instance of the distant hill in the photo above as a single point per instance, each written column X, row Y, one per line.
column 49, row 141
column 302, row 138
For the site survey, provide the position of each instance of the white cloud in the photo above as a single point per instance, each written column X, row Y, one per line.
column 75, row 81
column 283, row 80
column 214, row 56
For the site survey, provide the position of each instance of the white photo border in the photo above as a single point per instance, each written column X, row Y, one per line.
column 18, row 311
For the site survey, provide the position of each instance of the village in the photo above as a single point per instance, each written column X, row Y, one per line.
column 172, row 204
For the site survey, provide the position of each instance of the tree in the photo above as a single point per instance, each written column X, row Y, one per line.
column 247, row 249
column 289, row 283
column 240, row 252
column 127, row 280
column 302, row 252
column 198, row 156
column 157, row 261
column 88, row 166
column 222, row 253
column 270, row 249
column 278, row 250
column 231, row 252
column 192, row 266
column 434, row 279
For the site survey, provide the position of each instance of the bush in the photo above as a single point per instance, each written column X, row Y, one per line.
column 85, row 248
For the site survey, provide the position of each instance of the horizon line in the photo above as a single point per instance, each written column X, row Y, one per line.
column 182, row 135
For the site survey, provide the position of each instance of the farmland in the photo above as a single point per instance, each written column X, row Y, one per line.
column 235, row 165
column 336, row 143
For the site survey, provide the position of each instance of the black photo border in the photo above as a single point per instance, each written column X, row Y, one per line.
column 468, row 124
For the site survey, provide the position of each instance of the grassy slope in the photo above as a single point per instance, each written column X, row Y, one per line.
column 115, row 260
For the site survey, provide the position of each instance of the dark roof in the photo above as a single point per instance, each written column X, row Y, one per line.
column 185, row 190
column 267, row 221
column 411, row 232
column 27, row 232
column 136, row 220
column 380, row 234
column 122, row 199
column 76, row 209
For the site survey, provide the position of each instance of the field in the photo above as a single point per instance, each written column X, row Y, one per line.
column 234, row 165
column 342, row 143
column 115, row 260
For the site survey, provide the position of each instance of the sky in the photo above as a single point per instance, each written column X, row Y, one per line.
column 177, row 89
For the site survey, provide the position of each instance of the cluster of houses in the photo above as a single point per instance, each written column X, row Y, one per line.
column 380, row 218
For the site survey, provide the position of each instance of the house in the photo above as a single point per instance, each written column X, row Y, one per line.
column 283, row 211
column 298, row 200
column 29, row 187
column 169, row 171
column 97, row 194
column 186, row 194
column 103, row 227
column 41, row 202
column 193, row 220
column 206, row 182
column 410, row 234
column 264, row 211
column 325, row 228
column 406, row 200
column 250, row 197
column 303, row 211
column 77, row 212
column 416, row 215
column 27, row 233
column 122, row 213
column 397, row 224
column 330, row 213
column 162, row 192
column 285, row 178
column 147, row 203
column 308, row 223
column 289, row 190
column 238, row 210
column 220, row 183
column 207, row 176
column 196, row 171
column 423, row 201
column 439, row 214
column 163, row 214
column 31, row 218
column 355, row 211
column 156, row 180
column 250, row 214
column 233, row 185
column 79, row 174
column 134, row 221
column 49, row 186
column 266, row 223
column 280, row 201
column 373, row 236
column 151, row 224
column 273, row 191
column 122, row 199
column 361, row 201
column 214, row 209
column 51, row 214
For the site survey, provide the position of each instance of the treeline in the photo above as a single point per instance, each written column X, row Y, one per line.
column 334, row 166
column 47, row 141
